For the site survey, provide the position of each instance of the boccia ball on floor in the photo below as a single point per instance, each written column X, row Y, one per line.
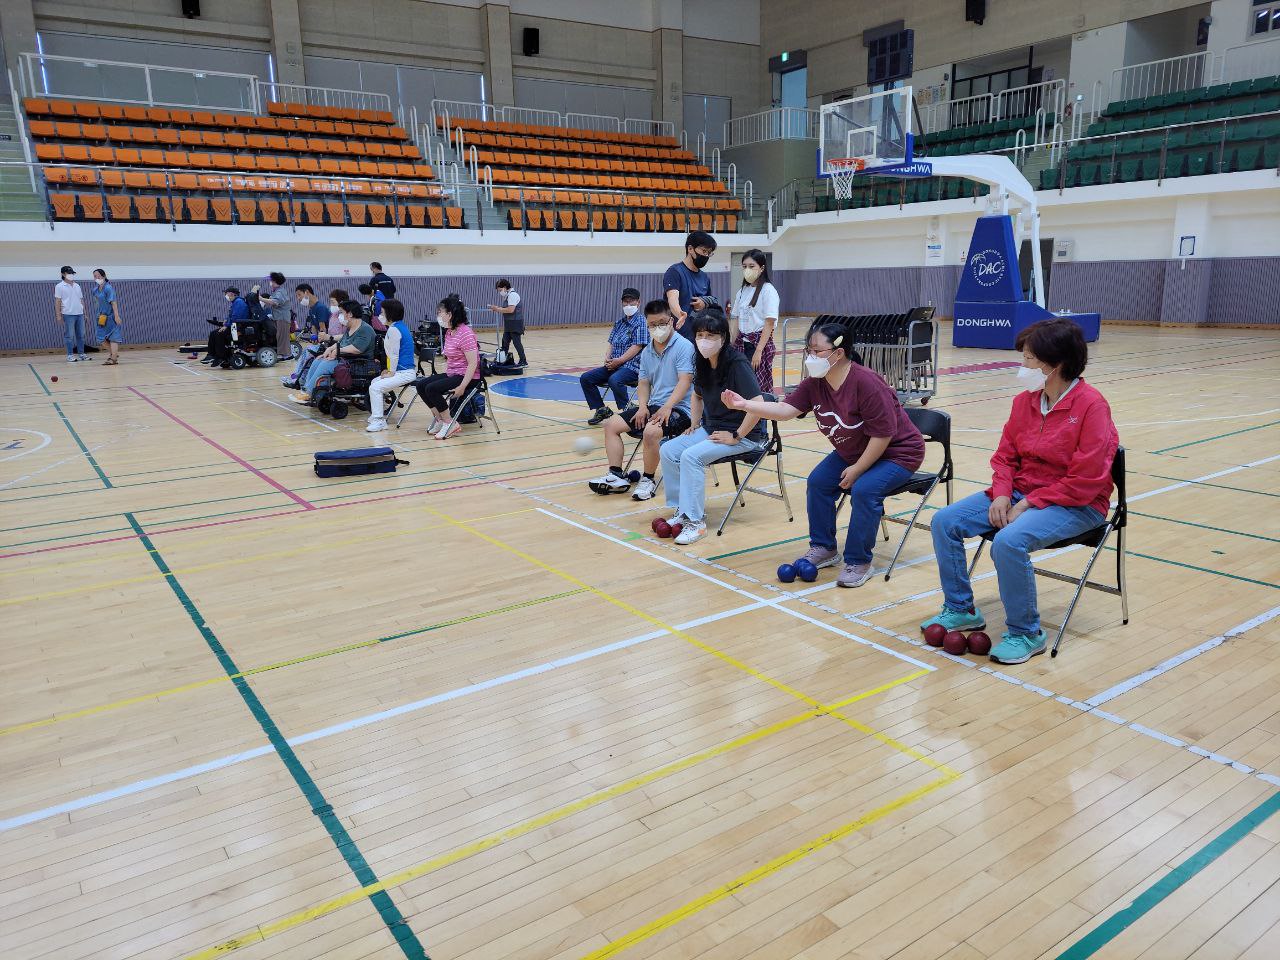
column 955, row 643
column 787, row 573
column 979, row 643
column 806, row 571
column 934, row 634
column 583, row 446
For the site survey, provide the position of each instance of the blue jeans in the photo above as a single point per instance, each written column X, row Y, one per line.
column 618, row 382
column 318, row 369
column 684, row 467
column 866, row 504
column 73, row 333
column 308, row 354
column 1010, row 550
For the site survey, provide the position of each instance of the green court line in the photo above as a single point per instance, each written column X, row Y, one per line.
column 83, row 449
column 40, row 380
column 778, row 543
column 1216, row 486
column 390, row 913
column 1233, row 433
column 1192, row 566
column 1204, row 526
column 1163, row 888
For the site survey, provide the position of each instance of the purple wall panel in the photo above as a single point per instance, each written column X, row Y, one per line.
column 856, row 291
column 1245, row 290
column 1117, row 289
column 169, row 311
column 938, row 286
column 1186, row 291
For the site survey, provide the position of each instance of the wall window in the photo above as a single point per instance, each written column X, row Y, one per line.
column 1266, row 17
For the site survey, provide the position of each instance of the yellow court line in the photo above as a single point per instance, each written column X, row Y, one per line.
column 278, row 436
column 266, row 668
column 266, row 930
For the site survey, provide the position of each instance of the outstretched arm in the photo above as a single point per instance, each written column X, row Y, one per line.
column 761, row 409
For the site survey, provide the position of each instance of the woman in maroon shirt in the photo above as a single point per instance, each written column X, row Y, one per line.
column 877, row 447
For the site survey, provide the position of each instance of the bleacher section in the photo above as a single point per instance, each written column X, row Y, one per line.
column 668, row 189
column 982, row 137
column 300, row 165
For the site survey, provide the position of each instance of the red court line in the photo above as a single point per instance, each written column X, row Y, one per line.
column 975, row 367
column 290, row 513
column 305, row 504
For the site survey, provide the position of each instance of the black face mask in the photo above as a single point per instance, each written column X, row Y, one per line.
column 700, row 260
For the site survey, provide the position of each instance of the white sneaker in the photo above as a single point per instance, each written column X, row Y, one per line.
column 447, row 430
column 645, row 489
column 675, row 518
column 376, row 426
column 436, row 424
column 83, row 358
column 610, row 483
column 691, row 533
column 72, row 359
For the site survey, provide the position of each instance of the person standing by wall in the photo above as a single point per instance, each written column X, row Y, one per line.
column 106, row 314
column 277, row 301
column 511, row 310
column 68, row 307
column 755, row 312
column 380, row 282
column 685, row 284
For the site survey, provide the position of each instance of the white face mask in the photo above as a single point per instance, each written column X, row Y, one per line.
column 709, row 348
column 334, row 309
column 817, row 366
column 630, row 310
column 1031, row 378
column 660, row 333
column 304, row 302
column 230, row 298
column 750, row 274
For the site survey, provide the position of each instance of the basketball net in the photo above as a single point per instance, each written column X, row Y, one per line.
column 843, row 170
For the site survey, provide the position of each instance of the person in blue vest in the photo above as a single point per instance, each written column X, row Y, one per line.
column 374, row 299
column 402, row 363
column 686, row 284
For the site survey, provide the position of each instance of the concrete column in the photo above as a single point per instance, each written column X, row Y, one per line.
column 286, row 41
column 498, row 76
column 17, row 32
column 668, row 85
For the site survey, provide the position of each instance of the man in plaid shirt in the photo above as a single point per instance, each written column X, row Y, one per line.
column 621, row 369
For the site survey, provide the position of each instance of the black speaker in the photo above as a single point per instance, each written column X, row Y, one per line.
column 975, row 11
column 529, row 43
column 191, row 9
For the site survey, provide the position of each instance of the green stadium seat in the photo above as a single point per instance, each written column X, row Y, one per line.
column 1267, row 102
column 1239, row 88
column 1150, row 168
column 1181, row 98
column 1218, row 111
column 1135, row 123
column 1246, row 158
column 1244, row 131
column 1206, row 135
column 1177, row 139
column 1175, row 165
column 1049, row 179
column 1096, row 129
column 1129, row 171
column 1271, row 155
column 1266, row 84
column 1174, row 115
column 1197, row 113
column 1087, row 175
column 1151, row 143
column 1242, row 108
column 1113, row 126
column 982, row 146
column 1269, row 128
column 1197, row 165
column 1130, row 146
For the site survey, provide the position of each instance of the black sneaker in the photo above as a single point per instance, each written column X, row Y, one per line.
column 600, row 416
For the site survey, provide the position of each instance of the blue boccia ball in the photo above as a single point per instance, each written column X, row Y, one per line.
column 787, row 573
column 806, row 571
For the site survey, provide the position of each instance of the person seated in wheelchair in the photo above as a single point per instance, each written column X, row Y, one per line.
column 661, row 409
column 334, row 326
column 402, row 363
column 219, row 346
column 877, row 447
column 462, row 366
column 1051, row 480
column 719, row 369
column 358, row 341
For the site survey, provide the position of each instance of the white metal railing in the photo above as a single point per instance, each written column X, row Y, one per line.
column 1155, row 77
column 1048, row 95
column 77, row 78
column 532, row 116
column 467, row 110
column 961, row 112
column 649, row 128
column 463, row 109
column 593, row 121
column 324, row 96
column 20, row 118
column 1249, row 60
column 777, row 123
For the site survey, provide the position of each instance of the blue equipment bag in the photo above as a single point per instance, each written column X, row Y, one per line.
column 350, row 463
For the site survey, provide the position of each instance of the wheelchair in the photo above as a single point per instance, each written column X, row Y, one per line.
column 331, row 396
column 253, row 343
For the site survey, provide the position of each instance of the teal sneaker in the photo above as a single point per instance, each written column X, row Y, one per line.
column 953, row 620
column 1018, row 648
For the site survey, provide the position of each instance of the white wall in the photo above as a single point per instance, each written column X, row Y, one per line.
column 1094, row 55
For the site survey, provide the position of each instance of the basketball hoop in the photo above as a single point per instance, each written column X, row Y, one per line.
column 843, row 170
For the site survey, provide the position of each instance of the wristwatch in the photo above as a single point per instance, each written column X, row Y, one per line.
column 736, row 438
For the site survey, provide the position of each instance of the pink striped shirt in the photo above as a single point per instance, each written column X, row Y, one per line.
column 457, row 343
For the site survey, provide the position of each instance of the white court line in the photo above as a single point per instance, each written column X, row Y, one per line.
column 141, row 786
column 1208, row 476
column 296, row 413
column 22, row 452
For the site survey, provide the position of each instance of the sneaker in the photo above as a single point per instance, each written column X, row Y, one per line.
column 303, row 398
column 600, row 416
column 1018, row 648
column 447, row 430
column 83, row 358
column 289, row 382
column 963, row 621
column 692, row 533
column 854, row 575
column 436, row 424
column 645, row 489
column 72, row 358
column 675, row 518
column 821, row 557
column 376, row 426
column 610, row 483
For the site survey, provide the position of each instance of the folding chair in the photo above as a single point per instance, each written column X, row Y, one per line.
column 772, row 448
column 1096, row 538
column 935, row 425
column 478, row 386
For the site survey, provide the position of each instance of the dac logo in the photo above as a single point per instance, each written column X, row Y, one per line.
column 987, row 267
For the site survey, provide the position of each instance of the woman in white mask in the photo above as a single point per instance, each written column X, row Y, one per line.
column 877, row 447
column 755, row 312
column 1051, row 479
column 719, row 371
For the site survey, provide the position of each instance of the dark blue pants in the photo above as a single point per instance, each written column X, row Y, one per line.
column 866, row 502
column 617, row 381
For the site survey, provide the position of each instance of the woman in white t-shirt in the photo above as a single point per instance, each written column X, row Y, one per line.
column 755, row 313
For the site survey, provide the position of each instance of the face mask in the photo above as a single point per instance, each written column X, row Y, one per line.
column 100, row 281
column 304, row 302
column 709, row 348
column 1031, row 378
column 334, row 309
column 230, row 298
column 629, row 310
column 700, row 260
column 750, row 274
column 442, row 319
column 660, row 333
column 817, row 366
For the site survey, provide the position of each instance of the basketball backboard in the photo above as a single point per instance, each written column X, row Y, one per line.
column 874, row 128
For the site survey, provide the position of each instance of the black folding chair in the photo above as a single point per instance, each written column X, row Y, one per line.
column 753, row 459
column 478, row 386
column 935, row 426
column 1096, row 538
column 638, row 437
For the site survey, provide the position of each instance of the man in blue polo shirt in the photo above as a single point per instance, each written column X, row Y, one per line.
column 662, row 404
column 686, row 283
column 402, row 363
column 621, row 361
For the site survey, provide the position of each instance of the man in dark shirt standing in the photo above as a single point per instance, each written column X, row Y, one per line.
column 685, row 284
column 380, row 282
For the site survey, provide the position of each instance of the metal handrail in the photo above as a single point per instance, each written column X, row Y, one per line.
column 1155, row 77
column 593, row 121
column 32, row 65
column 469, row 110
column 1030, row 98
column 776, row 123
column 1245, row 61
column 326, row 96
column 961, row 112
column 20, row 117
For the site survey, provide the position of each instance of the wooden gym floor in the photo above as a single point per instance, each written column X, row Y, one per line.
column 473, row 710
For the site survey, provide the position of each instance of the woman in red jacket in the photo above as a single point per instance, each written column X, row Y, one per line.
column 1051, row 480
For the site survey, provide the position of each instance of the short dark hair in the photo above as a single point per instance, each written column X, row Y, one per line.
column 375, row 265
column 392, row 311
column 277, row 277
column 231, row 290
column 713, row 322
column 1057, row 342
column 836, row 334
column 655, row 307
column 340, row 295
column 502, row 284
column 365, row 289
column 304, row 288
column 699, row 238
column 353, row 308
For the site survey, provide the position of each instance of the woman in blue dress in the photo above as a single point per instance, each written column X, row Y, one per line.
column 107, row 313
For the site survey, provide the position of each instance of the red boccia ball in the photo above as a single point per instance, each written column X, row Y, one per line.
column 955, row 644
column 657, row 521
column 934, row 633
column 54, row 379
column 663, row 529
column 979, row 643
